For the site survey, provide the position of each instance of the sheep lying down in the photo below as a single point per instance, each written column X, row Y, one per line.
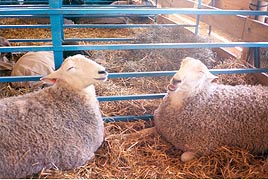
column 198, row 116
column 59, row 126
column 38, row 63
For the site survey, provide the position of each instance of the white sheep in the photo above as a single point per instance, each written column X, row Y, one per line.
column 198, row 116
column 33, row 63
column 59, row 126
column 38, row 63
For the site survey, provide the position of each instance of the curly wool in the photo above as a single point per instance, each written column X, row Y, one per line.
column 57, row 126
column 218, row 115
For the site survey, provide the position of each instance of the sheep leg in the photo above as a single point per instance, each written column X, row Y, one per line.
column 188, row 156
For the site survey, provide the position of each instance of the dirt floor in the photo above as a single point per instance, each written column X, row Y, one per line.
column 150, row 156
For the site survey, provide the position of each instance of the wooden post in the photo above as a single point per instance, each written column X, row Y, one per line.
column 248, row 53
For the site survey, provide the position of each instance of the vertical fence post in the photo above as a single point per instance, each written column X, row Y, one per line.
column 198, row 18
column 210, row 27
column 257, row 50
column 56, row 21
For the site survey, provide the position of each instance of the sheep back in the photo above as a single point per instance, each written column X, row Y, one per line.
column 33, row 63
column 217, row 116
column 54, row 127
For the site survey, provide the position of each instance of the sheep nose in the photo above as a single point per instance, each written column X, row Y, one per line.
column 176, row 81
column 102, row 72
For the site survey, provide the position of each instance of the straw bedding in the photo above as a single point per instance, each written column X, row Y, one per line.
column 148, row 156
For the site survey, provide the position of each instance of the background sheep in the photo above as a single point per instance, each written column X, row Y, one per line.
column 197, row 116
column 5, row 57
column 60, row 126
column 38, row 63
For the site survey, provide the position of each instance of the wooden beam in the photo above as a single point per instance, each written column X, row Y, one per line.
column 176, row 3
column 232, row 25
column 240, row 27
column 221, row 52
column 232, row 4
column 255, row 31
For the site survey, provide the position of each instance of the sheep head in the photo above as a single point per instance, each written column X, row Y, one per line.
column 78, row 71
column 192, row 76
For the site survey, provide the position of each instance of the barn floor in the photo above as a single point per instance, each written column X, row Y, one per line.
column 150, row 156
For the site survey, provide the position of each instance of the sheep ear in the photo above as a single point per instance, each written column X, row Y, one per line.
column 210, row 76
column 51, row 78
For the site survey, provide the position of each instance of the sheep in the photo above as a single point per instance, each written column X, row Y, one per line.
column 33, row 63
column 5, row 57
column 59, row 126
column 198, row 115
column 38, row 63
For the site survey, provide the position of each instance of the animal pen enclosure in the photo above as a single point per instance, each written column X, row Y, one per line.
column 141, row 55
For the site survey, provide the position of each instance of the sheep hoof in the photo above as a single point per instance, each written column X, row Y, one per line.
column 187, row 156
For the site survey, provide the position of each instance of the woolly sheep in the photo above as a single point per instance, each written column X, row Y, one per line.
column 59, row 126
column 198, row 116
column 38, row 63
column 33, row 63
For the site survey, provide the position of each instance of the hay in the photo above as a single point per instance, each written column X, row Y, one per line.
column 151, row 157
column 235, row 79
column 148, row 157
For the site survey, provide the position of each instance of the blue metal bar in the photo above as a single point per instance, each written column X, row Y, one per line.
column 74, row 39
column 257, row 62
column 143, row 74
column 133, row 46
column 140, row 11
column 131, row 97
column 56, row 21
column 99, row 26
column 24, row 26
column 29, row 40
column 210, row 27
column 198, row 18
column 127, row 118
column 125, row 25
column 256, row 51
column 26, row 48
column 85, row 5
column 111, row 5
column 164, row 46
column 99, row 39
column 76, row 15
column 106, row 15
column 257, row 8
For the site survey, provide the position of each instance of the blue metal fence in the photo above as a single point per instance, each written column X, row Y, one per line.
column 56, row 11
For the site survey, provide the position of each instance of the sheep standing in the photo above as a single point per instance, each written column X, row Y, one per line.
column 197, row 116
column 59, row 126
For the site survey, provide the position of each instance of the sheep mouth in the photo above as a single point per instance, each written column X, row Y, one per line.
column 101, row 79
column 172, row 87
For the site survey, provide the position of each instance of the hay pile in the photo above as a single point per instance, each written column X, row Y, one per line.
column 148, row 156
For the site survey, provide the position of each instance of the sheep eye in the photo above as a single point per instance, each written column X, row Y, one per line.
column 70, row 68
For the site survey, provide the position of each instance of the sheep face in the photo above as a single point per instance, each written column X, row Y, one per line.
column 192, row 75
column 78, row 71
